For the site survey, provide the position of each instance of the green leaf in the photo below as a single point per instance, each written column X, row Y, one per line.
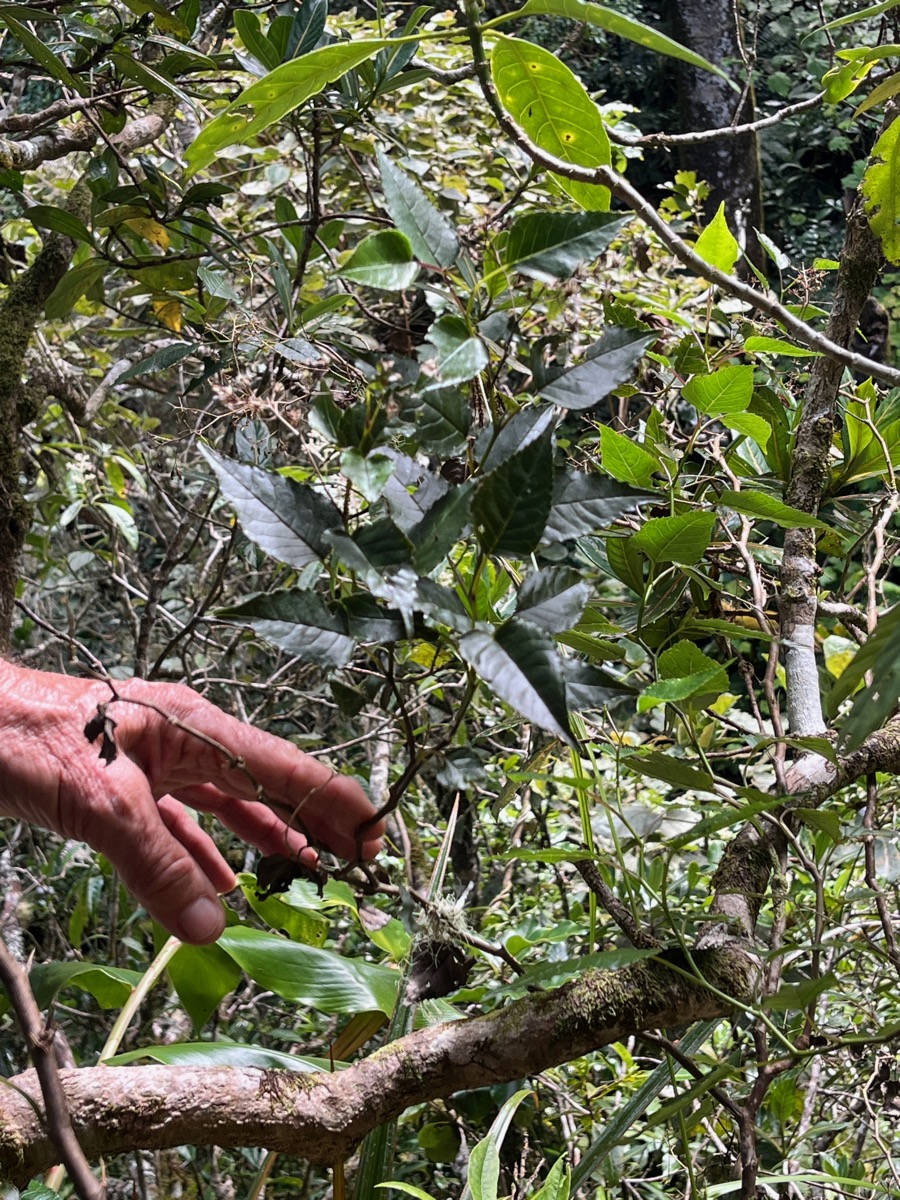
column 202, row 976
column 553, row 108
column 432, row 237
column 484, row 1161
column 42, row 53
column 441, row 528
column 44, row 216
column 874, row 704
column 671, row 691
column 74, row 284
column 583, row 503
column 552, row 246
column 460, row 356
column 284, row 518
column 797, row 996
column 717, row 244
column 625, row 27
column 726, row 391
column 382, row 260
column 442, row 417
column 292, row 912
column 825, row 819
column 369, row 473
column 881, row 189
column 684, row 658
column 247, row 25
column 751, row 425
column 280, row 92
column 671, row 770
column 512, row 503
column 625, row 460
column 610, row 362
column 326, row 981
column 159, row 360
column 520, row 664
column 681, row 539
column 223, row 1054
column 768, row 508
column 298, row 622
column 557, row 1185
column 110, row 986
column 553, row 599
column 440, row 1141
column 772, row 345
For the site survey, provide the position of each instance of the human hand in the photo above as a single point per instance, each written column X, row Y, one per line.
column 132, row 810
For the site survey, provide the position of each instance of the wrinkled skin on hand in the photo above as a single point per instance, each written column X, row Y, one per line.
column 133, row 809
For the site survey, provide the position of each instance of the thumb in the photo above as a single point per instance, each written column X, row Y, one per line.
column 159, row 871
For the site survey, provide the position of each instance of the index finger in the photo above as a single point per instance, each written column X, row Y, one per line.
column 244, row 762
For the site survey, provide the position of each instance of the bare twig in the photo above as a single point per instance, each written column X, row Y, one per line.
column 638, row 937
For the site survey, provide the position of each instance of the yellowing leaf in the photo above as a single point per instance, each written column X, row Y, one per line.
column 717, row 244
column 169, row 312
column 154, row 233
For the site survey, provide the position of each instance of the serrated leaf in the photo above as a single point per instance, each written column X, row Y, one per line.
column 369, row 473
column 625, row 460
column 512, row 503
column 583, row 503
column 298, row 622
column 553, row 108
column 326, row 981
column 681, row 539
column 768, row 508
column 432, row 237
column 728, row 390
column 382, row 260
column 622, row 26
column 441, row 528
column 772, row 345
column 881, row 188
column 520, row 664
column 717, row 245
column 460, row 355
column 750, row 425
column 552, row 246
column 553, row 599
column 280, row 92
column 610, row 362
column 285, row 518
column 442, row 416
column 825, row 819
column 523, row 428
column 670, row 770
column 671, row 691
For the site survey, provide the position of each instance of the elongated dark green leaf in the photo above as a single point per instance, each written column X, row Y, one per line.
column 671, row 770
column 383, row 260
column 159, row 360
column 223, row 1054
column 202, row 976
column 681, row 539
column 299, row 622
column 553, row 599
column 322, row 979
column 44, row 216
column 512, row 502
column 610, row 362
column 110, row 986
column 411, row 490
column 280, row 92
column 42, row 53
column 551, row 105
column 874, row 704
column 583, row 503
column 625, row 27
column 442, row 416
column 74, row 284
column 433, row 238
column 441, row 528
column 283, row 517
column 521, row 665
column 247, row 25
column 525, row 427
column 551, row 246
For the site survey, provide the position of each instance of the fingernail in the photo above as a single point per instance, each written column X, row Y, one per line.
column 202, row 921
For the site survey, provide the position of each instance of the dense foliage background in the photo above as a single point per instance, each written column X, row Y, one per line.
column 341, row 408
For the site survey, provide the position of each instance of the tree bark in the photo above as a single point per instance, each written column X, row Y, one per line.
column 323, row 1117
